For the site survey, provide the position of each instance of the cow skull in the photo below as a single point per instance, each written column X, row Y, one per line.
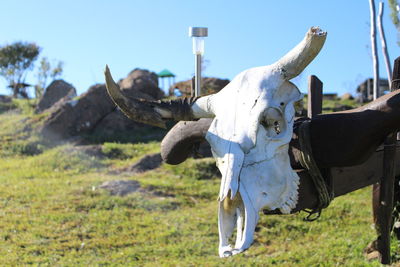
column 249, row 137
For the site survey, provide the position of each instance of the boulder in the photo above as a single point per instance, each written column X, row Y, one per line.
column 116, row 126
column 209, row 85
column 95, row 117
column 79, row 116
column 147, row 163
column 54, row 92
column 346, row 96
column 5, row 99
column 6, row 103
column 139, row 82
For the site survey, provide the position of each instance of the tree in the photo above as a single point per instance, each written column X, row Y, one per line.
column 394, row 15
column 375, row 62
column 15, row 60
column 47, row 70
column 383, row 44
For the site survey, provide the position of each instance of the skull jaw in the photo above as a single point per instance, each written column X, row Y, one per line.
column 244, row 217
column 254, row 194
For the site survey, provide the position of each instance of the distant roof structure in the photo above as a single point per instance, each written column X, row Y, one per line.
column 165, row 73
column 19, row 85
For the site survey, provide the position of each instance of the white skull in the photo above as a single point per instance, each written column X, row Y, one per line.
column 249, row 138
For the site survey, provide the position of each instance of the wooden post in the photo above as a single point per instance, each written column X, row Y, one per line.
column 384, row 219
column 314, row 105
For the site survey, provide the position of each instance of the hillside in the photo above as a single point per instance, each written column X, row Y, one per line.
column 57, row 208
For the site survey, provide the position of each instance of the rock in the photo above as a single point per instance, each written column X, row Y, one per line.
column 371, row 251
column 346, row 96
column 208, row 86
column 147, row 163
column 374, row 255
column 80, row 116
column 6, row 103
column 57, row 90
column 120, row 187
column 5, row 99
column 116, row 126
column 139, row 82
column 95, row 117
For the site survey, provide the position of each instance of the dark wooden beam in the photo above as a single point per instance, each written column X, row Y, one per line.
column 345, row 180
column 385, row 208
column 314, row 101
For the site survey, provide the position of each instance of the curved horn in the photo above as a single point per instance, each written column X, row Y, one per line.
column 179, row 142
column 297, row 59
column 156, row 112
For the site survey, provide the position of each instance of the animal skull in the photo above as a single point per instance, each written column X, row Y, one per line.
column 250, row 142
column 249, row 137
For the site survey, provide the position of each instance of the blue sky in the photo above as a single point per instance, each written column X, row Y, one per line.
column 153, row 34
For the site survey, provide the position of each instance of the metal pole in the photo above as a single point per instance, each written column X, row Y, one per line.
column 197, row 84
column 198, row 34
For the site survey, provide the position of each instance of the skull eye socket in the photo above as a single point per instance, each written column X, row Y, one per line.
column 273, row 122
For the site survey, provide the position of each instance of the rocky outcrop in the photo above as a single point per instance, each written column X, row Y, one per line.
column 139, row 82
column 147, row 163
column 78, row 116
column 5, row 99
column 94, row 113
column 346, row 96
column 57, row 90
column 6, row 103
column 208, row 86
column 115, row 126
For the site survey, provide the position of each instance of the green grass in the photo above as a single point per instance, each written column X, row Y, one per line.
column 330, row 105
column 53, row 213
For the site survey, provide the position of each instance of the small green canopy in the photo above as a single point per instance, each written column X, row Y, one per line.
column 165, row 73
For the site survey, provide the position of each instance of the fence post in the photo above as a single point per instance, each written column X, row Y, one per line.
column 314, row 105
column 384, row 220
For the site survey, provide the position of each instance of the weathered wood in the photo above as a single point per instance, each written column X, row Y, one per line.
column 314, row 105
column 385, row 209
column 396, row 74
column 345, row 180
column 386, row 199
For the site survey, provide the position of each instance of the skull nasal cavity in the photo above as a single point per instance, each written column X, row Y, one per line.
column 273, row 122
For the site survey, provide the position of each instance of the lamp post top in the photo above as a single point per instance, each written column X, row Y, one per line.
column 198, row 31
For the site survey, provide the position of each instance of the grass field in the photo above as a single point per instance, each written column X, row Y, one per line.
column 53, row 213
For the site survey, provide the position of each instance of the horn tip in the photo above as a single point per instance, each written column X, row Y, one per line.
column 316, row 30
column 106, row 69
